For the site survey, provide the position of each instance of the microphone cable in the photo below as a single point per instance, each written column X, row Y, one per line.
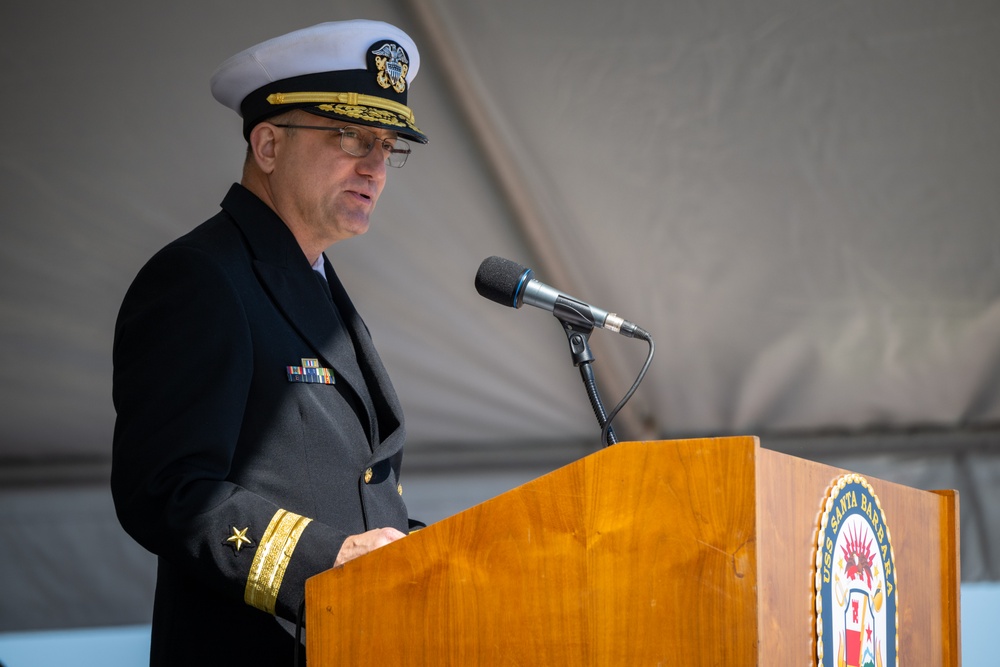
column 644, row 335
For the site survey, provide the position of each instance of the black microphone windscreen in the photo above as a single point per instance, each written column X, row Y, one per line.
column 498, row 280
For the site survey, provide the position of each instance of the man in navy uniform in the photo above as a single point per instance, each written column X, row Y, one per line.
column 258, row 439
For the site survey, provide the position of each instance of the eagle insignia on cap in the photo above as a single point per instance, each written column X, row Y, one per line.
column 392, row 65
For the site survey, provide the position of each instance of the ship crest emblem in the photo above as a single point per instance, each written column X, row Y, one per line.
column 856, row 619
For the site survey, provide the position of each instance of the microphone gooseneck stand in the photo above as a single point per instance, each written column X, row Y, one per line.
column 578, row 324
column 579, row 348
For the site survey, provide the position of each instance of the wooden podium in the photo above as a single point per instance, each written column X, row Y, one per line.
column 686, row 552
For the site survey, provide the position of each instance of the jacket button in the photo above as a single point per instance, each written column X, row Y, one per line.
column 368, row 476
column 399, row 489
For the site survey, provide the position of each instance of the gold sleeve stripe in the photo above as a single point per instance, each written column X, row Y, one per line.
column 354, row 99
column 273, row 554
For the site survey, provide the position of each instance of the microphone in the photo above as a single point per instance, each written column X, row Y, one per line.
column 510, row 284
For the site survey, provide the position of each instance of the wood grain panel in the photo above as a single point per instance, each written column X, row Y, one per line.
column 695, row 552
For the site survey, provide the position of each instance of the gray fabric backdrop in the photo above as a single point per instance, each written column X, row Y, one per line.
column 798, row 199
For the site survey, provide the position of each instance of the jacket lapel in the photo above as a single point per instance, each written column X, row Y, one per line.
column 302, row 301
column 286, row 275
column 387, row 407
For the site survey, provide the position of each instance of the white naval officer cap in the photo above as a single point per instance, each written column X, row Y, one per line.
column 355, row 71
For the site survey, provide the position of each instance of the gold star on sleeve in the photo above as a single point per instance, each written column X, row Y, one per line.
column 239, row 538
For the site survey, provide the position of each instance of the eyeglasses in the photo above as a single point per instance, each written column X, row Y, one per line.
column 359, row 143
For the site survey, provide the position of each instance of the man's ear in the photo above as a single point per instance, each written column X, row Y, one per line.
column 262, row 146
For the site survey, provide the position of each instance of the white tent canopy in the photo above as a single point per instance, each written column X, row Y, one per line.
column 797, row 199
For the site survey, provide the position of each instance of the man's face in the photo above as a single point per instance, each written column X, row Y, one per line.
column 319, row 187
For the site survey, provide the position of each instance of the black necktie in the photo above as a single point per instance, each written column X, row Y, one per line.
column 326, row 285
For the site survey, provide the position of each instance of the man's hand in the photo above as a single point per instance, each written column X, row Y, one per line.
column 359, row 545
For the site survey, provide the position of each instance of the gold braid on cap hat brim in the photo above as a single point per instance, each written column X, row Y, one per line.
column 353, row 99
